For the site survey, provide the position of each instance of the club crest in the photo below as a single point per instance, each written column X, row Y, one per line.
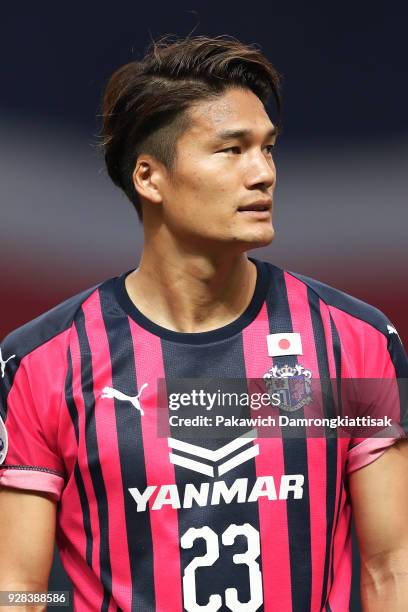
column 293, row 385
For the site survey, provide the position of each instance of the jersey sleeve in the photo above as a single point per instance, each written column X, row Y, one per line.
column 30, row 399
column 383, row 382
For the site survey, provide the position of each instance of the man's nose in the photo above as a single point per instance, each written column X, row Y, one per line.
column 261, row 171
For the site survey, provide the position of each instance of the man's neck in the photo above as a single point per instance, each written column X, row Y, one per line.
column 192, row 293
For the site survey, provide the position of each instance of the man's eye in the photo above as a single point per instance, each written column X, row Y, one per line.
column 270, row 148
column 233, row 149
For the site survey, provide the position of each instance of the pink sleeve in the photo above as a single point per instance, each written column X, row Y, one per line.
column 370, row 449
column 32, row 410
column 376, row 361
column 28, row 477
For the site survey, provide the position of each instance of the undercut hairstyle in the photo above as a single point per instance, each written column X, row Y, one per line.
column 145, row 104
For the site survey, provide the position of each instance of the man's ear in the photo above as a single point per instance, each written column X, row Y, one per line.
column 147, row 178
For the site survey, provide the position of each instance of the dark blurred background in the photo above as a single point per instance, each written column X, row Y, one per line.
column 340, row 204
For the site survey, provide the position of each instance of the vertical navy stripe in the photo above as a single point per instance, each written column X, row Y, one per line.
column 94, row 465
column 295, row 459
column 331, row 434
column 355, row 564
column 322, row 358
column 219, row 360
column 131, row 456
column 337, row 361
column 336, row 348
column 86, row 516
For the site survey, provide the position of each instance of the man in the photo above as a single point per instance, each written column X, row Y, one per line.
column 148, row 521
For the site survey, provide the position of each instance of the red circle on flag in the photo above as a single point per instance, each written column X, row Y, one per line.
column 284, row 343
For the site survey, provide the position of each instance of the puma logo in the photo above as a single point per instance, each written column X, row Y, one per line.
column 3, row 363
column 392, row 330
column 110, row 392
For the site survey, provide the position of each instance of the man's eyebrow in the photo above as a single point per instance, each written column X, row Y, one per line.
column 227, row 134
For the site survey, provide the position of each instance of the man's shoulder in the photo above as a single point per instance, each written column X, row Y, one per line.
column 50, row 324
column 334, row 298
column 347, row 303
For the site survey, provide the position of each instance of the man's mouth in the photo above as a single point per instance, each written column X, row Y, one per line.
column 260, row 209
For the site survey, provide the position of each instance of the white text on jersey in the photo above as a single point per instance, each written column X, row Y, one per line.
column 218, row 491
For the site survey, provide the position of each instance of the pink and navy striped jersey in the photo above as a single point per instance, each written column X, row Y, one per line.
column 138, row 528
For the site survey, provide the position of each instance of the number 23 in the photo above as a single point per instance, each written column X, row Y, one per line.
column 231, row 594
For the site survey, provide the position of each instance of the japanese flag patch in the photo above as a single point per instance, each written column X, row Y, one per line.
column 284, row 344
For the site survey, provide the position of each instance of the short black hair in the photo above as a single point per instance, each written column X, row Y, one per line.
column 145, row 102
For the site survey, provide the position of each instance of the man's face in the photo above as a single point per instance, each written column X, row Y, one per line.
column 223, row 165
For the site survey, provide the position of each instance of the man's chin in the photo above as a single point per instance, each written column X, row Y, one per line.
column 255, row 240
